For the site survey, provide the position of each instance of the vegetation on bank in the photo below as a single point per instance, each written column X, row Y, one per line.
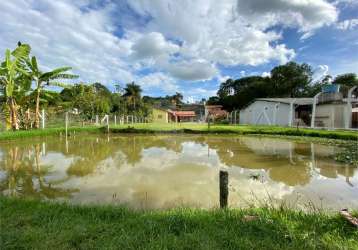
column 235, row 129
column 24, row 92
column 347, row 140
column 191, row 128
column 288, row 80
column 10, row 135
column 34, row 224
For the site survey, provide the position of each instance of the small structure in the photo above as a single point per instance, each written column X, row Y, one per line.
column 326, row 110
column 161, row 115
column 277, row 111
column 215, row 112
column 182, row 116
column 198, row 109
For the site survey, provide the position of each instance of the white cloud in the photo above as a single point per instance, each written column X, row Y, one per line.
column 320, row 72
column 234, row 32
column 153, row 45
column 158, row 80
column 62, row 35
column 221, row 78
column 346, row 2
column 306, row 15
column 175, row 40
column 192, row 70
column 349, row 24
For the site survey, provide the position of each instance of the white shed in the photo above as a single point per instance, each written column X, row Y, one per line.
column 277, row 111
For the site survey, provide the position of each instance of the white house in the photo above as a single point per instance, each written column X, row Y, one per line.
column 321, row 111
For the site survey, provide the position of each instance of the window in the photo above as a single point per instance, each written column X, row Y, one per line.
column 160, row 116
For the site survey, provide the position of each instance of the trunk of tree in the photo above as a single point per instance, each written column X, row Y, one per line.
column 37, row 109
column 13, row 114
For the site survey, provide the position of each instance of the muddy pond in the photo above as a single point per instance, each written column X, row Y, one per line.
column 166, row 171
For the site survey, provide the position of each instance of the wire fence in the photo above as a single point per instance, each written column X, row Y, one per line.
column 72, row 119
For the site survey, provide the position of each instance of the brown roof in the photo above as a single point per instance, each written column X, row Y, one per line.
column 183, row 113
column 213, row 106
column 218, row 113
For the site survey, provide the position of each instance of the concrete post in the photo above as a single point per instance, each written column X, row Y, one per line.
column 332, row 114
column 274, row 120
column 290, row 118
column 107, row 116
column 66, row 123
column 315, row 99
column 43, row 118
column 348, row 118
column 115, row 120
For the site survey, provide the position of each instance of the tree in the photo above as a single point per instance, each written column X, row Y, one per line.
column 11, row 70
column 102, row 90
column 349, row 80
column 177, row 98
column 235, row 94
column 291, row 79
column 213, row 100
column 132, row 92
column 49, row 78
column 346, row 81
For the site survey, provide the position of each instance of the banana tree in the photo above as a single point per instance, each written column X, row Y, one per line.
column 43, row 79
column 11, row 70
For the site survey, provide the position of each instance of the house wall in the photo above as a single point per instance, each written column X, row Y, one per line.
column 160, row 116
column 330, row 115
column 266, row 113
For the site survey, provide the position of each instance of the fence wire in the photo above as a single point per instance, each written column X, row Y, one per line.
column 58, row 119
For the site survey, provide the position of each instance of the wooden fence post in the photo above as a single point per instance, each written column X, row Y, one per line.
column 66, row 123
column 224, row 188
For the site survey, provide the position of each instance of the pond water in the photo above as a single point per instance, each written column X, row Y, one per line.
column 164, row 171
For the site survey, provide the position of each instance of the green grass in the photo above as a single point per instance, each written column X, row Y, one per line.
column 192, row 128
column 8, row 135
column 236, row 129
column 30, row 224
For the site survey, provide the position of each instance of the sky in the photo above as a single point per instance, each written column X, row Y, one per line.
column 185, row 46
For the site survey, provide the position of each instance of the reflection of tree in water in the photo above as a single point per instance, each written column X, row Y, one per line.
column 90, row 151
column 285, row 161
column 25, row 176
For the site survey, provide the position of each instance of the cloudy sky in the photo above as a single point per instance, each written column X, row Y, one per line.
column 188, row 46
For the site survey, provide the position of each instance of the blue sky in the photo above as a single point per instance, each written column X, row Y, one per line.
column 185, row 46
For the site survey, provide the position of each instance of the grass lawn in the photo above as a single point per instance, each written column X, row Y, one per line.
column 237, row 129
column 191, row 128
column 30, row 224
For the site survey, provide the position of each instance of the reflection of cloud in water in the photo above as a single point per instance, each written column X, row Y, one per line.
column 166, row 171
column 168, row 181
column 58, row 164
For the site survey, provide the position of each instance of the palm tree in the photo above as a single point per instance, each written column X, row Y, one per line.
column 49, row 78
column 177, row 98
column 133, row 93
column 11, row 70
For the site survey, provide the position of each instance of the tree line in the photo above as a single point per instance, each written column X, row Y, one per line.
column 24, row 92
column 289, row 80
